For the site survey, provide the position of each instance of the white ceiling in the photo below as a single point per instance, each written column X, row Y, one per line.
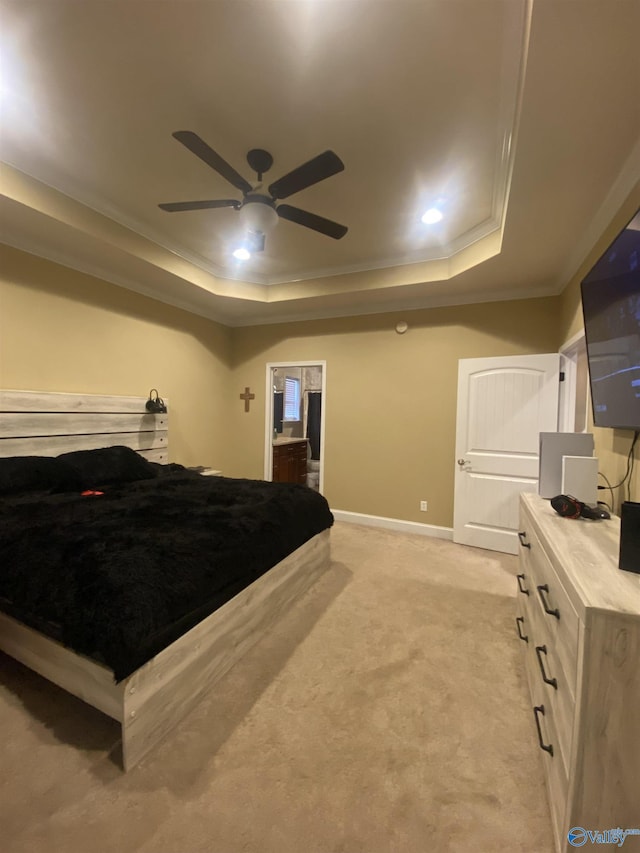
column 521, row 120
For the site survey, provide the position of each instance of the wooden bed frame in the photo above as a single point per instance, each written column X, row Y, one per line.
column 154, row 698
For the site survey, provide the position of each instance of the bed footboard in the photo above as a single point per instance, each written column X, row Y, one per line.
column 75, row 673
column 159, row 694
column 153, row 699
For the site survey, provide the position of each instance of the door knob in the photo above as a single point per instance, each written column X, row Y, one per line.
column 463, row 462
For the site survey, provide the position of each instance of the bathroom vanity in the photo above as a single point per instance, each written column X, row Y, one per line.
column 290, row 460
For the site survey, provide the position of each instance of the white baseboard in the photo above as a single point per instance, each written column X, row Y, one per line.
column 393, row 524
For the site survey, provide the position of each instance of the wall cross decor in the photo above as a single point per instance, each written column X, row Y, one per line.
column 247, row 397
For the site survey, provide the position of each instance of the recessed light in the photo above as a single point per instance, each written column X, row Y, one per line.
column 241, row 254
column 431, row 216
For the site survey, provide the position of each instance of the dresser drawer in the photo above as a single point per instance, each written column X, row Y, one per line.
column 550, row 684
column 554, row 614
column 550, row 740
column 546, row 679
column 555, row 773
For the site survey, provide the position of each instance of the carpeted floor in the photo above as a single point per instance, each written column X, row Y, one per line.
column 386, row 713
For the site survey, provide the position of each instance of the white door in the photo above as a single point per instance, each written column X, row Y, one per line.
column 503, row 406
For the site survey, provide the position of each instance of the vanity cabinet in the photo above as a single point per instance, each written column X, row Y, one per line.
column 290, row 460
column 578, row 622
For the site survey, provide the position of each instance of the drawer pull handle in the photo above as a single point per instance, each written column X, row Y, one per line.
column 521, row 537
column 521, row 587
column 552, row 611
column 520, row 619
column 539, row 709
column 542, row 650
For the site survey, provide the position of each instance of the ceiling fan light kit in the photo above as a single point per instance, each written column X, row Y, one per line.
column 258, row 214
column 259, row 211
column 241, row 253
column 431, row 216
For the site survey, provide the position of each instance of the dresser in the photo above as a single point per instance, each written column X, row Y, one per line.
column 290, row 460
column 578, row 622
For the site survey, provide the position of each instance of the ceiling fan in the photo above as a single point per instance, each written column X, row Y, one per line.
column 259, row 209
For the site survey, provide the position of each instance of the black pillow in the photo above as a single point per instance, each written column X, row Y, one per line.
column 36, row 473
column 108, row 465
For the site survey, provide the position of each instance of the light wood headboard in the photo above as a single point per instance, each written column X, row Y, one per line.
column 45, row 423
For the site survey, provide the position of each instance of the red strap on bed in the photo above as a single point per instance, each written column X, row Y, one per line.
column 89, row 492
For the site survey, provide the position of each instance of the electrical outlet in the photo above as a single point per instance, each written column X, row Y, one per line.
column 423, row 506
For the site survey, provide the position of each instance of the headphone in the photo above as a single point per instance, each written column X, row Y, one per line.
column 156, row 404
column 569, row 507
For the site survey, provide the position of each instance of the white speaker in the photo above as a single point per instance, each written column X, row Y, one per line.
column 580, row 478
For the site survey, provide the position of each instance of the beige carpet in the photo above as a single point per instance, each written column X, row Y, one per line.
column 387, row 713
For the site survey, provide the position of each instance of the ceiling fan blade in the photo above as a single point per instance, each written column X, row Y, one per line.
column 200, row 148
column 321, row 167
column 310, row 220
column 175, row 206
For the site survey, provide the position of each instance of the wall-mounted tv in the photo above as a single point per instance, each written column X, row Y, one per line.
column 611, row 310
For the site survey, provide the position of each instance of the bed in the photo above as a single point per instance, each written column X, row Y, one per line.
column 129, row 581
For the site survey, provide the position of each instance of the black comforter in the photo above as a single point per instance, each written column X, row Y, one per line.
column 120, row 575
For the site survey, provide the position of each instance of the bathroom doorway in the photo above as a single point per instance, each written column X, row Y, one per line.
column 295, row 418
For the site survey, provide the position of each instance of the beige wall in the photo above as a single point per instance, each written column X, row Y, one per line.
column 61, row 330
column 611, row 445
column 391, row 399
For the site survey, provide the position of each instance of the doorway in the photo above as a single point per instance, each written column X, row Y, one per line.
column 575, row 401
column 295, row 398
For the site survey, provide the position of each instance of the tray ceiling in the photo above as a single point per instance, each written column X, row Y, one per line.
column 493, row 112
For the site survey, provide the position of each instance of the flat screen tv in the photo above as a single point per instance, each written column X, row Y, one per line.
column 611, row 310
